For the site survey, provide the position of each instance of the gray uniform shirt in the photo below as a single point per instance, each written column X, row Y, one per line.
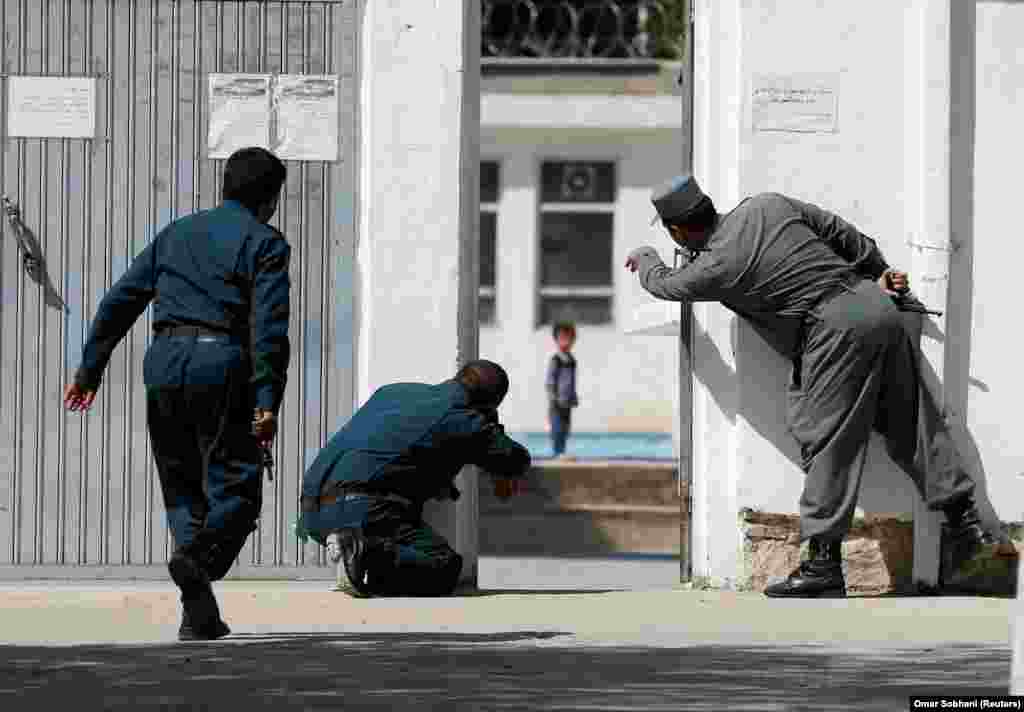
column 770, row 260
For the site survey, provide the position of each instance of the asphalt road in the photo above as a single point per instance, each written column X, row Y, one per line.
column 542, row 635
column 453, row 671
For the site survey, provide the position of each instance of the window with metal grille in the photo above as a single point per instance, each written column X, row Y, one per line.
column 577, row 219
column 490, row 192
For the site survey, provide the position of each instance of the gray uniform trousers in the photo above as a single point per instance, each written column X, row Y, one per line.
column 859, row 370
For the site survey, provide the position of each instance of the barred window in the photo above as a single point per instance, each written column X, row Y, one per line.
column 489, row 196
column 577, row 226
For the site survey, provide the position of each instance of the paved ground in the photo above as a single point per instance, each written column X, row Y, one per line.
column 532, row 642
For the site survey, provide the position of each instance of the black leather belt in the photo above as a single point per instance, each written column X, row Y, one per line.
column 195, row 332
column 333, row 494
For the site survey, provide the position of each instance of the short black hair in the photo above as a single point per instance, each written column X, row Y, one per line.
column 702, row 218
column 253, row 177
column 563, row 326
column 485, row 381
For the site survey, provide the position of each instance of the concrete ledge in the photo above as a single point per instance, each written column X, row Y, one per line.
column 878, row 556
column 568, row 484
column 579, row 111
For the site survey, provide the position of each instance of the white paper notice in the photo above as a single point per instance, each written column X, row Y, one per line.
column 51, row 107
column 801, row 103
column 307, row 117
column 239, row 113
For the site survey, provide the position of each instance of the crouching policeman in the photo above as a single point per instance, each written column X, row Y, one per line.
column 219, row 284
column 364, row 493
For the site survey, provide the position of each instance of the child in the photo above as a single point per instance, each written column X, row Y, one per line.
column 561, row 386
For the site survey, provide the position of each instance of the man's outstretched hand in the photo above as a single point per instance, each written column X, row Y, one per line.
column 505, row 487
column 77, row 399
column 633, row 259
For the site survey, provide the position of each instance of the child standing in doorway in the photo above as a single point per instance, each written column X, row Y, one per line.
column 561, row 386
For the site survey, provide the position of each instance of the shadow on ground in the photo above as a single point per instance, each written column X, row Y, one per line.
column 513, row 671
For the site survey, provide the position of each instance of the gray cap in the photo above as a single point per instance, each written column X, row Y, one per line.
column 677, row 198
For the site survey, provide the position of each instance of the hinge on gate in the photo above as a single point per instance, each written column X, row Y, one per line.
column 32, row 255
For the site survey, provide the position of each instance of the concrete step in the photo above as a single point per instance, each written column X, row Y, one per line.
column 581, row 532
column 585, row 509
column 568, row 484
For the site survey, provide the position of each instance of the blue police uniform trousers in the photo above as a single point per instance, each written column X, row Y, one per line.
column 411, row 559
column 199, row 412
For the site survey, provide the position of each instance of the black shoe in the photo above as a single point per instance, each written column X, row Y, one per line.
column 821, row 576
column 353, row 576
column 967, row 534
column 201, row 612
column 188, row 632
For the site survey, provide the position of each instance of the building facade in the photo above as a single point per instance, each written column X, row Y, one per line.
column 569, row 152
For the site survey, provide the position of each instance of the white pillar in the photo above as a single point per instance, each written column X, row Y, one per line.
column 416, row 260
column 717, row 138
column 940, row 115
column 1017, row 623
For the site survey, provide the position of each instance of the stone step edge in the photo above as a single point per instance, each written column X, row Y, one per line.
column 668, row 465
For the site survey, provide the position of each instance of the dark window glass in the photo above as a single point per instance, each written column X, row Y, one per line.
column 486, row 310
column 576, row 249
column 564, row 182
column 488, row 247
column 579, row 310
column 489, row 182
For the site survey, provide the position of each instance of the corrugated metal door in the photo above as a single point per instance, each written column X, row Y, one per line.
column 80, row 495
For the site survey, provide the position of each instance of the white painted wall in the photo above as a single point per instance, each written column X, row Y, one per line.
column 854, row 172
column 993, row 258
column 625, row 384
column 896, row 168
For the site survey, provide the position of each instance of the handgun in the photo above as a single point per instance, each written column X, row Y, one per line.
column 906, row 301
column 268, row 461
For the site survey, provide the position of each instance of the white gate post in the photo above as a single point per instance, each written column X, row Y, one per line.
column 417, row 254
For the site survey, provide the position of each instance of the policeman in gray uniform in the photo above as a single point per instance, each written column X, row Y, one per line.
column 215, row 372
column 821, row 293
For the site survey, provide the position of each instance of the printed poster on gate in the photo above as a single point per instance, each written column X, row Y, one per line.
column 239, row 113
column 51, row 107
column 307, row 117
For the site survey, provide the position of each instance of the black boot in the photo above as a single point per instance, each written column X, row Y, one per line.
column 188, row 632
column 355, row 553
column 200, row 613
column 821, row 576
column 967, row 534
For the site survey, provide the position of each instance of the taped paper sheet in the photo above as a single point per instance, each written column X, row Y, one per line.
column 239, row 113
column 800, row 103
column 51, row 107
column 307, row 117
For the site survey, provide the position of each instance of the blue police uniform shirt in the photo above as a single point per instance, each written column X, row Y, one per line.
column 221, row 269
column 412, row 439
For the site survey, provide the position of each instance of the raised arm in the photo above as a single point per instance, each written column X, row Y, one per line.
column 497, row 453
column 697, row 281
